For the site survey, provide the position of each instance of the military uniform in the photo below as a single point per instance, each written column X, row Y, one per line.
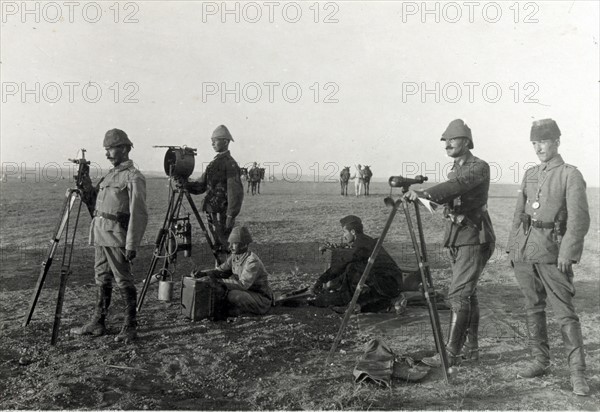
column 247, row 283
column 224, row 191
column 116, row 231
column 382, row 285
column 470, row 238
column 550, row 222
column 119, row 223
column 244, row 276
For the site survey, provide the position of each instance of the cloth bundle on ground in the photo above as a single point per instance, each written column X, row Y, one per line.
column 378, row 364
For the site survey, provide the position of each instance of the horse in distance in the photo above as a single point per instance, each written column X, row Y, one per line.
column 367, row 175
column 344, row 178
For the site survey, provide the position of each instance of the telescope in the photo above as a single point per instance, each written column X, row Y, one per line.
column 405, row 182
column 179, row 161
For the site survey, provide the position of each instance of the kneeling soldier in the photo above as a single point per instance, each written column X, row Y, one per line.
column 245, row 277
column 116, row 231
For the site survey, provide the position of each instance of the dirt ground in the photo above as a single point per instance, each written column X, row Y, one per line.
column 275, row 361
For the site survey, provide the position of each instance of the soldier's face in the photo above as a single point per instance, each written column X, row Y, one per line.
column 116, row 154
column 546, row 149
column 349, row 235
column 220, row 145
column 237, row 247
column 456, row 147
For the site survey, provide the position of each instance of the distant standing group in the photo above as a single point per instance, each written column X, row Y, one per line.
column 362, row 179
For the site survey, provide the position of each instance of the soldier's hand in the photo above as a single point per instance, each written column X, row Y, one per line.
column 229, row 222
column 85, row 183
column 199, row 274
column 411, row 195
column 130, row 255
column 317, row 287
column 565, row 266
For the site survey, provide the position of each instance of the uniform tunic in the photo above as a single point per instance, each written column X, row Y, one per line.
column 534, row 253
column 384, row 281
column 246, row 279
column 120, row 220
column 223, row 186
column 224, row 194
column 472, row 240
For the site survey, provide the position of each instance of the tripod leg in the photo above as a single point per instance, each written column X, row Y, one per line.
column 160, row 243
column 428, row 291
column 361, row 282
column 207, row 234
column 67, row 205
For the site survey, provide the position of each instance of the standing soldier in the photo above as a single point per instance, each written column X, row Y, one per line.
column 551, row 219
column 116, row 231
column 224, row 190
column 469, row 237
column 254, row 177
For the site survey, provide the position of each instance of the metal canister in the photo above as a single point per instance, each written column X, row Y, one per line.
column 165, row 290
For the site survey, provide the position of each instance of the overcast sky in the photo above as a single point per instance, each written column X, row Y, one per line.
column 305, row 87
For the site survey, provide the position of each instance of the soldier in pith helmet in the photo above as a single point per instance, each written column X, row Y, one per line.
column 223, row 187
column 546, row 239
column 469, row 237
column 116, row 231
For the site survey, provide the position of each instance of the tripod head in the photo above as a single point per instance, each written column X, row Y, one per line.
column 83, row 171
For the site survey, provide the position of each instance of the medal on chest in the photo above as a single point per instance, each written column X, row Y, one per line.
column 535, row 205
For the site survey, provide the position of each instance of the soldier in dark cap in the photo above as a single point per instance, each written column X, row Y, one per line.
column 546, row 238
column 469, row 237
column 222, row 184
column 244, row 276
column 120, row 218
column 382, row 285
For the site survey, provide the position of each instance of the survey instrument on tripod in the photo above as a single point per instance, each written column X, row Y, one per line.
column 420, row 251
column 176, row 232
column 62, row 228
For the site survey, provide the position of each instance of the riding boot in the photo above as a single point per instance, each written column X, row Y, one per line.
column 471, row 348
column 456, row 339
column 96, row 326
column 128, row 330
column 538, row 344
column 573, row 342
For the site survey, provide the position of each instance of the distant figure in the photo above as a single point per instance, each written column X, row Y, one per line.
column 344, row 177
column 254, row 178
column 261, row 171
column 367, row 175
column 359, row 180
column 244, row 173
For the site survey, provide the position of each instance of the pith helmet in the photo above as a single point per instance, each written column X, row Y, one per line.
column 458, row 128
column 221, row 132
column 545, row 129
column 240, row 234
column 116, row 137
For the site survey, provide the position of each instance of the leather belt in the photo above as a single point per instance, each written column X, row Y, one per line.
column 541, row 225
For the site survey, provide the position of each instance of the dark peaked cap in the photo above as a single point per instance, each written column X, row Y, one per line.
column 350, row 219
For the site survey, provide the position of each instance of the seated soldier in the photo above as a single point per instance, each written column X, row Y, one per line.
column 382, row 285
column 244, row 275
